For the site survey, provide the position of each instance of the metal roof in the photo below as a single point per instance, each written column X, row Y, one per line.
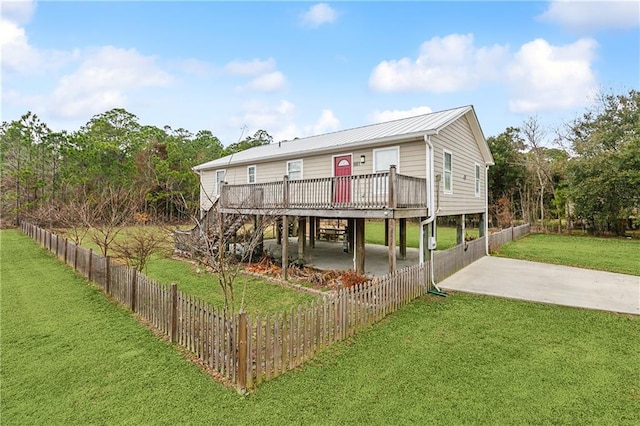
column 396, row 129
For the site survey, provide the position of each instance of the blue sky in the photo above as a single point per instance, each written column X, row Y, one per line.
column 296, row 69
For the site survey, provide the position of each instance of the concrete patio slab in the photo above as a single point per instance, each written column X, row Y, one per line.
column 555, row 284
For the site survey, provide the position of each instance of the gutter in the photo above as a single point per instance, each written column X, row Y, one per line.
column 321, row 150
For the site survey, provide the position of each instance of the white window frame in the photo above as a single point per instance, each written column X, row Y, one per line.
column 216, row 185
column 478, row 177
column 445, row 171
column 255, row 173
column 388, row 148
column 288, row 170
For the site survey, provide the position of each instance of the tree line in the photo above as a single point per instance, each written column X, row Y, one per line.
column 584, row 173
column 112, row 156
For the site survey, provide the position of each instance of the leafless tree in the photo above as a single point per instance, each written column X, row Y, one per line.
column 111, row 210
column 139, row 244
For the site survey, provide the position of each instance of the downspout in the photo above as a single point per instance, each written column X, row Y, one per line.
column 486, row 209
column 431, row 217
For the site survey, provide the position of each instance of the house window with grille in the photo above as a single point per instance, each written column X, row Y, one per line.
column 294, row 169
column 251, row 174
column 448, row 172
column 477, row 180
column 219, row 179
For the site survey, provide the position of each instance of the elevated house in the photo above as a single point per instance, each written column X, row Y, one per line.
column 419, row 167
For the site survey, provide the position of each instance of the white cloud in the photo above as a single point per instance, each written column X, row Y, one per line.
column 18, row 55
column 253, row 67
column 17, row 11
column 103, row 80
column 544, row 77
column 259, row 115
column 593, row 15
column 319, row 14
column 396, row 114
column 266, row 83
column 280, row 120
column 327, row 122
column 444, row 64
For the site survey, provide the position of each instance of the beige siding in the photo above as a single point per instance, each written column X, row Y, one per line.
column 207, row 186
column 458, row 139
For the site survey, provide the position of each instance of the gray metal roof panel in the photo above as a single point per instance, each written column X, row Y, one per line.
column 431, row 122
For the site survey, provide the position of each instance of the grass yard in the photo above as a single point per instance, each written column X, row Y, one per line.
column 260, row 296
column 606, row 254
column 69, row 356
column 374, row 234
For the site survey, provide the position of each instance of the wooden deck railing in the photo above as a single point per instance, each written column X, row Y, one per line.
column 387, row 190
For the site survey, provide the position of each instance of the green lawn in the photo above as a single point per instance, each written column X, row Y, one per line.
column 260, row 295
column 607, row 254
column 69, row 356
column 446, row 236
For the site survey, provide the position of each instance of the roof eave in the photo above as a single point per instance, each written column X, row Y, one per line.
column 358, row 144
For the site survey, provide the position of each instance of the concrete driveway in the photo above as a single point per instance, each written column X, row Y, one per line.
column 555, row 284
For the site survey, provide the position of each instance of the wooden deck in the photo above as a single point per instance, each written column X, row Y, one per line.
column 377, row 195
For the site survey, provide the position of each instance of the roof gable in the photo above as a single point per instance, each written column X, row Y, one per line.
column 396, row 130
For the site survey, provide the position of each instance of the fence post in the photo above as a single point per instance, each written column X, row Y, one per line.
column 66, row 244
column 134, row 282
column 173, row 313
column 90, row 263
column 107, row 284
column 242, row 352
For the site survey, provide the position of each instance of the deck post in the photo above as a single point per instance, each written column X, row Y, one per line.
column 359, row 262
column 386, row 232
column 460, row 229
column 278, row 231
column 483, row 225
column 351, row 232
column 302, row 237
column 285, row 246
column 312, row 231
column 403, row 238
column 393, row 182
column 392, row 245
column 258, row 227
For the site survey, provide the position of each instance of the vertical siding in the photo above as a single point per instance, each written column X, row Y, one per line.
column 458, row 139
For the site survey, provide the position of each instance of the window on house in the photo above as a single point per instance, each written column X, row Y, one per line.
column 294, row 169
column 219, row 178
column 251, row 174
column 477, row 180
column 384, row 158
column 448, row 173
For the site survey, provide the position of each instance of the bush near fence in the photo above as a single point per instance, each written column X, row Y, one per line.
column 244, row 349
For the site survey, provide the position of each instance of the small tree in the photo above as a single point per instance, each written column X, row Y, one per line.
column 113, row 209
column 139, row 244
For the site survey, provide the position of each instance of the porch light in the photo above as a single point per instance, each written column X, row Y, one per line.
column 362, row 158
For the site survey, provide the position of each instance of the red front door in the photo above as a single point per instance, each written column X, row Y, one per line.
column 342, row 187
